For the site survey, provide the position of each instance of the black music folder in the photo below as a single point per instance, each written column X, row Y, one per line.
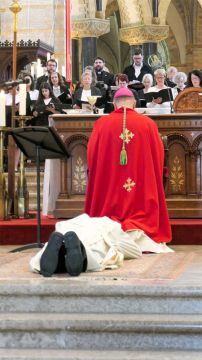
column 165, row 94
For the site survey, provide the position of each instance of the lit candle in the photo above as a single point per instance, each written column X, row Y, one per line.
column 33, row 70
column 2, row 108
column 63, row 71
column 56, row 62
column 39, row 70
column 22, row 99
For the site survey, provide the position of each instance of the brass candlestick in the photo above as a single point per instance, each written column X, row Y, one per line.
column 3, row 192
column 15, row 8
column 21, row 203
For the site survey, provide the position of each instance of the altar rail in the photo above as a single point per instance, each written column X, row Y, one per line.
column 184, row 187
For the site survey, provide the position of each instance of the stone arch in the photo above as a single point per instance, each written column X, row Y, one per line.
column 163, row 8
column 197, row 142
column 173, row 18
column 182, row 140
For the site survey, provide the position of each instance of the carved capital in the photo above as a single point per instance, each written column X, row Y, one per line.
column 139, row 34
column 89, row 28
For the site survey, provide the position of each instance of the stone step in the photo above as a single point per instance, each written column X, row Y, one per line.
column 74, row 202
column 47, row 354
column 31, row 186
column 101, row 331
column 67, row 213
column 79, row 296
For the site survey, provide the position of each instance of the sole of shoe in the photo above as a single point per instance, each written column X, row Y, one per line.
column 73, row 257
column 49, row 258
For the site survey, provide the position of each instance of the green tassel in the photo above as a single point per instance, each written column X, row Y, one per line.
column 123, row 157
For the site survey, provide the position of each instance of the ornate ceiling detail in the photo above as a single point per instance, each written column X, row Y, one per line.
column 111, row 8
column 140, row 34
column 89, row 28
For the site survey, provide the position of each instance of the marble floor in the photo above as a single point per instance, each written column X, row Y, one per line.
column 182, row 268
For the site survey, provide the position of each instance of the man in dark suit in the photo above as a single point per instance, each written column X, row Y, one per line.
column 104, row 80
column 103, row 77
column 138, row 69
column 51, row 67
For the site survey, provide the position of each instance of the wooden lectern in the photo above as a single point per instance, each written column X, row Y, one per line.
column 189, row 101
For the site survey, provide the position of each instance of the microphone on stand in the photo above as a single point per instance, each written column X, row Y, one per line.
column 169, row 96
column 13, row 83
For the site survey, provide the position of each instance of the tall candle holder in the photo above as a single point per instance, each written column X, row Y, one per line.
column 3, row 191
column 15, row 8
column 21, row 203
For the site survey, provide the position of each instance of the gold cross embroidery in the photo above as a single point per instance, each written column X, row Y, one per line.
column 129, row 184
column 127, row 136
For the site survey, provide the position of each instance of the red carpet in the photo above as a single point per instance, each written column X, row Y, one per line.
column 24, row 231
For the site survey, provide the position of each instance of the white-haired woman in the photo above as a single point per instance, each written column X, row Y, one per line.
column 86, row 89
column 171, row 73
column 180, row 80
column 147, row 81
column 159, row 102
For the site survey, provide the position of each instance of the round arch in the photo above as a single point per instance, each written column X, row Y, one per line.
column 173, row 18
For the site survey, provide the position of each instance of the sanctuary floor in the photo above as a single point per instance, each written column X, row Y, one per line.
column 182, row 268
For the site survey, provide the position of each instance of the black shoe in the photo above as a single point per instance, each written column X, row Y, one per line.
column 49, row 258
column 73, row 257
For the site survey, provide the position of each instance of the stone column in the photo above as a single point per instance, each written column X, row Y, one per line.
column 144, row 36
column 88, row 30
column 149, row 49
column 75, row 60
column 89, row 51
column 155, row 6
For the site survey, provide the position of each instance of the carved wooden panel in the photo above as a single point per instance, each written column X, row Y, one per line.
column 77, row 165
column 184, row 141
column 188, row 100
column 177, row 170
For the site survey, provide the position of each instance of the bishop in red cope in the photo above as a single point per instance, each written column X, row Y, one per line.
column 125, row 172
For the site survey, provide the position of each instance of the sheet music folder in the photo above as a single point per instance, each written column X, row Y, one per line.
column 65, row 99
column 165, row 94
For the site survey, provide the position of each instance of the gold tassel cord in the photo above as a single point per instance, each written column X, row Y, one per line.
column 123, row 154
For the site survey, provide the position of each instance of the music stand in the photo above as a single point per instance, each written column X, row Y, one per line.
column 38, row 143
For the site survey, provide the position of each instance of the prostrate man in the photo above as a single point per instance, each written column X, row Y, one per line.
column 125, row 206
column 138, row 69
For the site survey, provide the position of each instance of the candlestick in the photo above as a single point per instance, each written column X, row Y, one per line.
column 22, row 99
column 2, row 108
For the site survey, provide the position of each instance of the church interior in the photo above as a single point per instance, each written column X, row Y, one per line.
column 151, row 307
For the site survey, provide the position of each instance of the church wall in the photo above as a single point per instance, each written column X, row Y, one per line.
column 45, row 20
column 59, row 33
column 35, row 21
